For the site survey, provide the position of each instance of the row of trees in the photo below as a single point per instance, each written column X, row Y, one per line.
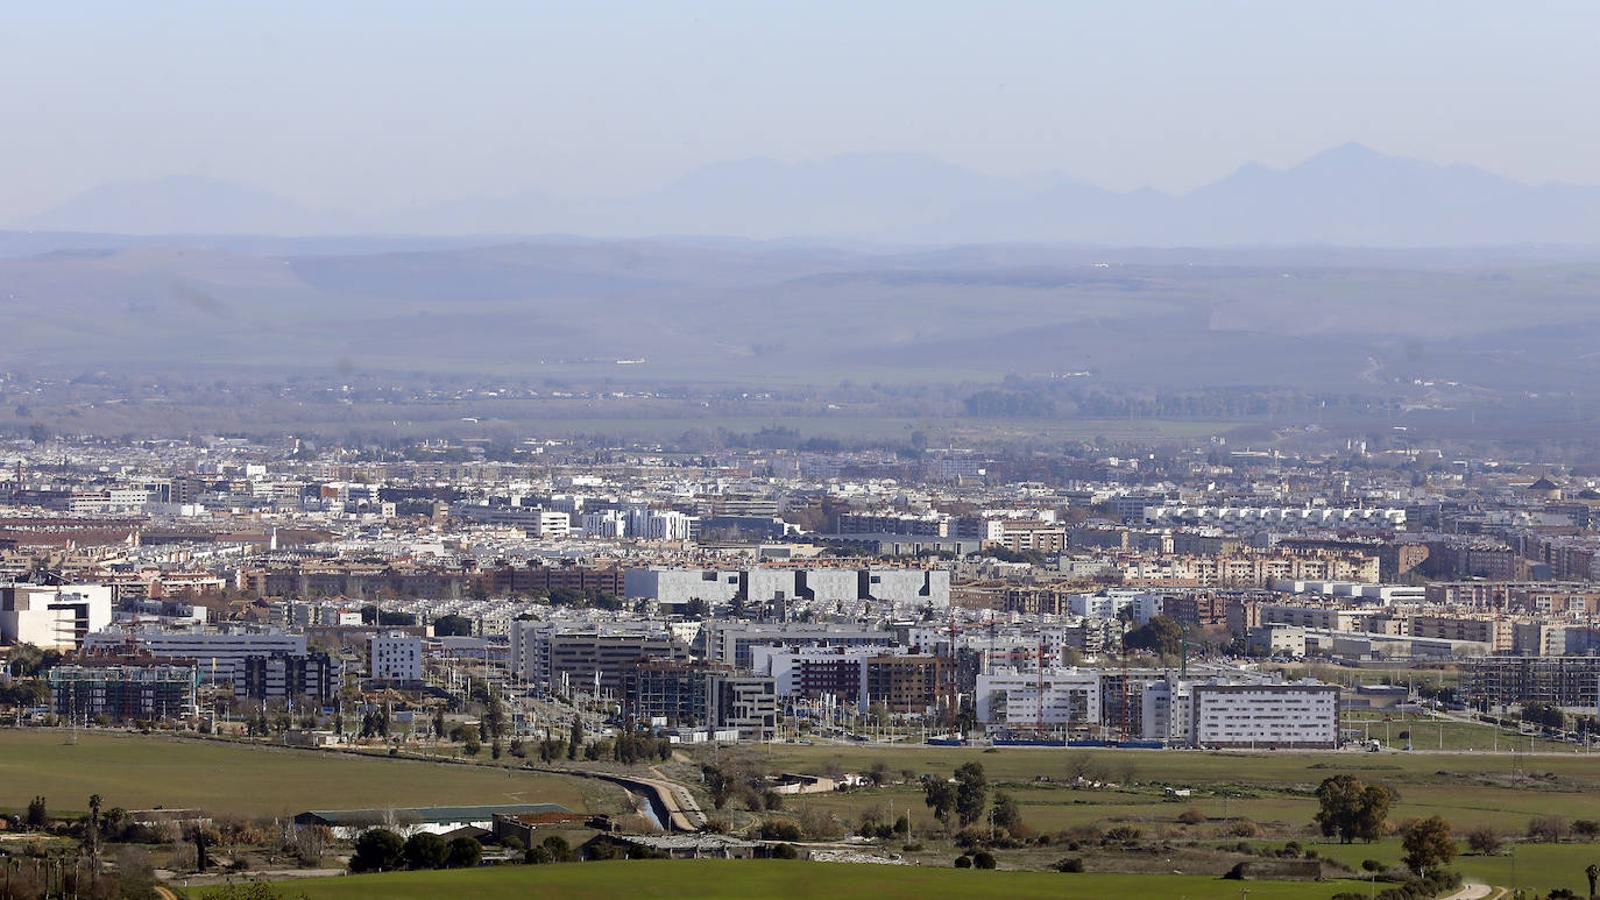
column 382, row 850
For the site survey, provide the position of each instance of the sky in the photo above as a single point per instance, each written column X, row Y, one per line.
column 390, row 105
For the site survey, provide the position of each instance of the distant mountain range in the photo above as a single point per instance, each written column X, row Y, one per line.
column 1349, row 196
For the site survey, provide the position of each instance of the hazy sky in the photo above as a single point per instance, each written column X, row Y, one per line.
column 389, row 104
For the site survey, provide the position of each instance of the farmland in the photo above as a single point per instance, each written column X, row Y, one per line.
column 137, row 771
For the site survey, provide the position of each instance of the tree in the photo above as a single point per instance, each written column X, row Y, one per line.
column 1006, row 814
column 425, row 850
column 1351, row 809
column 378, row 850
column 972, row 793
column 38, row 814
column 1484, row 840
column 1161, row 635
column 464, row 853
column 1428, row 844
column 452, row 626
column 558, row 848
column 94, row 821
column 940, row 796
column 575, row 737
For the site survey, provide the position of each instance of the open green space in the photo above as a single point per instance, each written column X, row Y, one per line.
column 772, row 878
column 141, row 772
column 1540, row 867
column 1272, row 789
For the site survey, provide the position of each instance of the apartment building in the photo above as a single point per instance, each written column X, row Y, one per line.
column 395, row 657
column 1051, row 697
column 1287, row 716
column 122, row 691
column 217, row 655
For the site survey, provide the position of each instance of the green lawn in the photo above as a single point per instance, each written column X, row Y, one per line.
column 141, row 772
column 754, row 879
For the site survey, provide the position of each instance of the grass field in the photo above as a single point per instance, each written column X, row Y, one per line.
column 752, row 879
column 1273, row 789
column 1541, row 867
column 140, row 772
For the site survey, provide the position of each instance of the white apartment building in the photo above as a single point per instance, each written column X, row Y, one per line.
column 54, row 617
column 661, row 524
column 604, row 524
column 1052, row 697
column 774, row 586
column 1109, row 604
column 395, row 657
column 1302, row 716
column 215, row 654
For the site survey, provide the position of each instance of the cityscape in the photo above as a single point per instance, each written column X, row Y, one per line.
column 743, row 451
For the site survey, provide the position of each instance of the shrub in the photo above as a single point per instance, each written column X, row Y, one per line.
column 963, row 861
column 1122, row 834
column 1244, row 828
column 1372, row 865
column 1547, row 829
column 785, row 851
column 1069, row 864
column 779, row 830
column 464, row 853
column 983, row 859
column 425, row 850
column 1191, row 816
column 377, row 850
column 1484, row 840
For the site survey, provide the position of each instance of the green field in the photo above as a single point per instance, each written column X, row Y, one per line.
column 1273, row 789
column 141, row 772
column 750, row 879
column 1542, row 867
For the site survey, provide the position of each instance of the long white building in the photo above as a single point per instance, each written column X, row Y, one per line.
column 216, row 655
column 1303, row 716
column 771, row 585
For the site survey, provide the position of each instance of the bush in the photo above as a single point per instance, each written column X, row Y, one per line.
column 558, row 848
column 1547, row 829
column 1588, row 829
column 785, row 851
column 1122, row 834
column 1191, row 816
column 983, row 859
column 425, row 850
column 378, row 850
column 1069, row 864
column 1372, row 865
column 1484, row 840
column 464, row 853
column 1244, row 828
column 779, row 830
column 963, row 861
